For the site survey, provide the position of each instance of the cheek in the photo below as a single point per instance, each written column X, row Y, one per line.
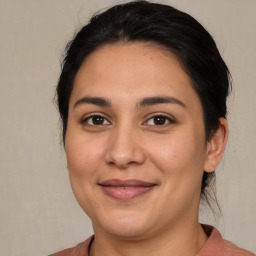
column 180, row 157
column 82, row 163
column 82, row 153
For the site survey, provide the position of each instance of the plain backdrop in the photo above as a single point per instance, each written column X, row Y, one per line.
column 38, row 213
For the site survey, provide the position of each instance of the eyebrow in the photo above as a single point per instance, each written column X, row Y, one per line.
column 99, row 101
column 148, row 101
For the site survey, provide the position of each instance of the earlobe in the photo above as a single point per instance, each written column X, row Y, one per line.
column 216, row 146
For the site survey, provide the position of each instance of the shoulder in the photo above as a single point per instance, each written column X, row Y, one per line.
column 79, row 250
column 232, row 249
column 216, row 245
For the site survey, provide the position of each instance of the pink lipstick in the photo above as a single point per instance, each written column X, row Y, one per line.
column 125, row 189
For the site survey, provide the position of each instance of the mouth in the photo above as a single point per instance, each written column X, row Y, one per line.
column 126, row 189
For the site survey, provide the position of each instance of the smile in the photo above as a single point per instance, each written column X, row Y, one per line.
column 125, row 189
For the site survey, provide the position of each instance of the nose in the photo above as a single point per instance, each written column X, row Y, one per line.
column 125, row 148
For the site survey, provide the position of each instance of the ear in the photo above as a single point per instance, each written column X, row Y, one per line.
column 216, row 146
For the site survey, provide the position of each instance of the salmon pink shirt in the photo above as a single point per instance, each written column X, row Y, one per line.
column 214, row 246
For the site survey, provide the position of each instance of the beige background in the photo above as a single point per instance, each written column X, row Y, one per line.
column 38, row 213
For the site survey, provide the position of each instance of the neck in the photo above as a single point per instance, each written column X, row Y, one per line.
column 186, row 240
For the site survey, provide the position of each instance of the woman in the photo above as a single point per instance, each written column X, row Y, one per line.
column 142, row 98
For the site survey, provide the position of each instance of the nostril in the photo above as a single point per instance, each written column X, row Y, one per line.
column 111, row 163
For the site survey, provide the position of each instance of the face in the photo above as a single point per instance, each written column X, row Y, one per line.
column 135, row 141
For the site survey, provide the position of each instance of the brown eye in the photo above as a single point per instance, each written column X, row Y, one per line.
column 159, row 120
column 96, row 120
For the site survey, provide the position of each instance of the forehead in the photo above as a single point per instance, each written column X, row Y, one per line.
column 136, row 70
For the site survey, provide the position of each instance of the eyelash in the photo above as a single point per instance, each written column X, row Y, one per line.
column 85, row 121
column 162, row 118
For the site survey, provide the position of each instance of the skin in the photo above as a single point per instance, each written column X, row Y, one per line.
column 127, row 144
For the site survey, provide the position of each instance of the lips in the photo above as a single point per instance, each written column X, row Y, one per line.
column 126, row 189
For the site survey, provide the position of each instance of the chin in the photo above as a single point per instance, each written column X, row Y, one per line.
column 127, row 232
column 127, row 225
